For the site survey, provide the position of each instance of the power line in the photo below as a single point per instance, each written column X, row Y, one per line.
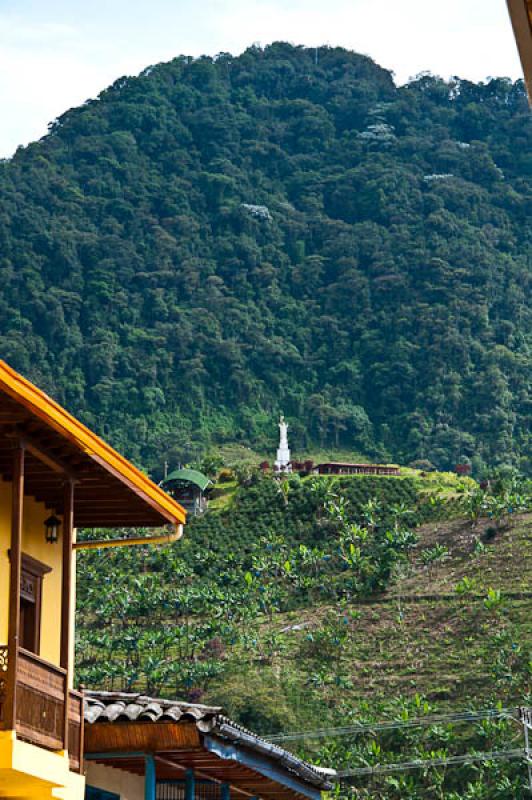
column 383, row 769
column 515, row 714
column 434, row 719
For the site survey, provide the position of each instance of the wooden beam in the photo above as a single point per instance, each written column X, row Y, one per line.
column 40, row 451
column 12, row 417
column 102, row 519
column 40, row 472
column 94, row 489
column 95, row 495
column 51, row 501
column 122, row 520
column 35, row 484
column 42, row 485
column 130, row 518
column 130, row 738
column 50, row 461
column 115, row 504
column 114, row 521
column 17, row 513
column 157, row 507
column 66, row 594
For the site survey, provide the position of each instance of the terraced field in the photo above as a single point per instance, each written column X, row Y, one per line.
column 428, row 635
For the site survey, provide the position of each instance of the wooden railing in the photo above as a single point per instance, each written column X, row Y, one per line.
column 40, row 705
column 75, row 730
column 3, row 681
column 40, row 701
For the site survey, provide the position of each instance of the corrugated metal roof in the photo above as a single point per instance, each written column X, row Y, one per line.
column 190, row 476
column 120, row 707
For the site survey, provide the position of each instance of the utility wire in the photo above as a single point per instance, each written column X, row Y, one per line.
column 434, row 719
column 382, row 769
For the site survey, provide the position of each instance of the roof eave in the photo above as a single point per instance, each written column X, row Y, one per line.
column 51, row 413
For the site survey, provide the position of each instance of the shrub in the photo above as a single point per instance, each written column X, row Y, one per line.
column 226, row 475
column 423, row 464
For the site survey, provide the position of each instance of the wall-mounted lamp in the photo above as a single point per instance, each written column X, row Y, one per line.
column 51, row 526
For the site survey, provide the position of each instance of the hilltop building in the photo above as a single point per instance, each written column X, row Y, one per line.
column 343, row 468
column 285, row 464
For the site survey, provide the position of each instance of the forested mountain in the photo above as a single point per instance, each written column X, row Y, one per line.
column 217, row 240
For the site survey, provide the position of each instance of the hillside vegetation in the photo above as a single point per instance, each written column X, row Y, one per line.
column 220, row 239
column 320, row 603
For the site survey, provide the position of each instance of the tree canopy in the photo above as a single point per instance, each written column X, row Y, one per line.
column 221, row 238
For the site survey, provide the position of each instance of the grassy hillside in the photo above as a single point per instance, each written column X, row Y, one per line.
column 435, row 631
column 440, row 640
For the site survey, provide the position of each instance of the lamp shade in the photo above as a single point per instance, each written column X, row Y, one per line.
column 51, row 526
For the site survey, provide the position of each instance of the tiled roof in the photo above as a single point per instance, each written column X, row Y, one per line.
column 123, row 707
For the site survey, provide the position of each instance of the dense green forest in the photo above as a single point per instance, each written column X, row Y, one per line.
column 220, row 239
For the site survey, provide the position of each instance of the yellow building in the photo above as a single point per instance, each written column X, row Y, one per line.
column 56, row 476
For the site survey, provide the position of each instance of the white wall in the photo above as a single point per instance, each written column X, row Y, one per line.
column 124, row 784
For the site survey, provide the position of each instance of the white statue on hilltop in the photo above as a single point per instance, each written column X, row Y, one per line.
column 282, row 462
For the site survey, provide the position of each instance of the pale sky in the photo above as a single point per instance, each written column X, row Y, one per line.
column 55, row 54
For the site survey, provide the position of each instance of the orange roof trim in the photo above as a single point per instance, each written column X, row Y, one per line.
column 51, row 413
column 521, row 16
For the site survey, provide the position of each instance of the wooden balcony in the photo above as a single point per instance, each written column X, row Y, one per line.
column 41, row 692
